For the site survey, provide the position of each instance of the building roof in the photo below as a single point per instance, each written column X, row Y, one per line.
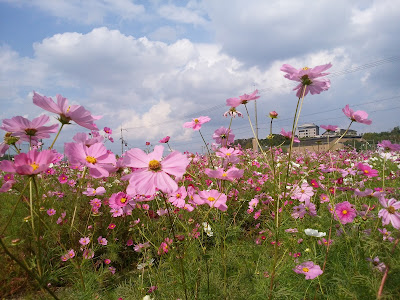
column 308, row 125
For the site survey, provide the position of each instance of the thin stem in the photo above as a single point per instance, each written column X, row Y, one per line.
column 78, row 196
column 177, row 248
column 14, row 209
column 30, row 273
column 58, row 133
column 337, row 141
column 208, row 150
column 39, row 229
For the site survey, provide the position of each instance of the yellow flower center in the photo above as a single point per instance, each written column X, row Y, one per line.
column 69, row 107
column 306, row 269
column 211, row 199
column 34, row 166
column 123, row 200
column 305, row 68
column 391, row 210
column 178, row 195
column 196, row 121
column 344, row 212
column 91, row 159
column 366, row 171
column 224, row 175
column 228, row 154
column 154, row 165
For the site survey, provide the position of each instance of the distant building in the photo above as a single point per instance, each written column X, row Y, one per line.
column 339, row 132
column 308, row 130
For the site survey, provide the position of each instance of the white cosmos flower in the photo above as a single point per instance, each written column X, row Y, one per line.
column 207, row 229
column 314, row 232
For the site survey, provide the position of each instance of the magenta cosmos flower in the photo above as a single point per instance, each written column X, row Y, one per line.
column 345, row 212
column 243, row 99
column 153, row 172
column 309, row 269
column 230, row 174
column 96, row 157
column 390, row 213
column 30, row 131
column 308, row 78
column 367, row 170
column 358, row 116
column 30, row 163
column 196, row 123
column 67, row 113
column 164, row 140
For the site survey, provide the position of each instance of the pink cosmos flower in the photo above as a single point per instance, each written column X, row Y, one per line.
column 309, row 269
column 102, row 241
column 71, row 253
column 329, row 127
column 231, row 174
column 96, row 158
column 164, row 140
column 83, row 138
column 308, row 79
column 62, row 178
column 345, row 212
column 177, row 198
column 84, row 241
column 359, row 116
column 213, row 198
column 119, row 200
column 303, row 192
column 324, row 198
column 153, row 171
column 107, row 130
column 288, row 134
column 388, row 146
column 51, row 212
column 243, row 99
column 30, row 163
column 390, row 213
column 140, row 246
column 94, row 192
column 233, row 112
column 223, row 136
column 367, row 170
column 66, row 112
column 29, row 131
column 196, row 123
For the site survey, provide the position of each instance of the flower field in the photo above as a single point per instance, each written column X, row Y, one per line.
column 161, row 224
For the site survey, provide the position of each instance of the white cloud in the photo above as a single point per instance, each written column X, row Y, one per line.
column 186, row 15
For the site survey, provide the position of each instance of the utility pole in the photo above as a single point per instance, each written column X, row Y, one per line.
column 122, row 142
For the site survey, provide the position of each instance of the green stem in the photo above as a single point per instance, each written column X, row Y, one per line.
column 30, row 273
column 38, row 229
column 178, row 249
column 14, row 209
column 208, row 150
column 78, row 196
column 337, row 141
column 58, row 133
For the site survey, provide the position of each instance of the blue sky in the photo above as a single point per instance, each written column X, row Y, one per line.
column 150, row 66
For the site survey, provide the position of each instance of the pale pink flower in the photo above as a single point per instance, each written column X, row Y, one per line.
column 230, row 174
column 233, row 112
column 308, row 79
column 196, row 123
column 152, row 171
column 66, row 112
column 309, row 269
column 329, row 127
column 303, row 192
column 83, row 138
column 102, row 241
column 288, row 134
column 359, row 116
column 30, row 163
column 390, row 213
column 177, row 198
column 94, row 192
column 51, row 212
column 29, row 131
column 243, row 99
column 97, row 158
column 84, row 241
column 213, row 198
column 223, row 136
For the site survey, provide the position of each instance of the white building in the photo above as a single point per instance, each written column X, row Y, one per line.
column 308, row 130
